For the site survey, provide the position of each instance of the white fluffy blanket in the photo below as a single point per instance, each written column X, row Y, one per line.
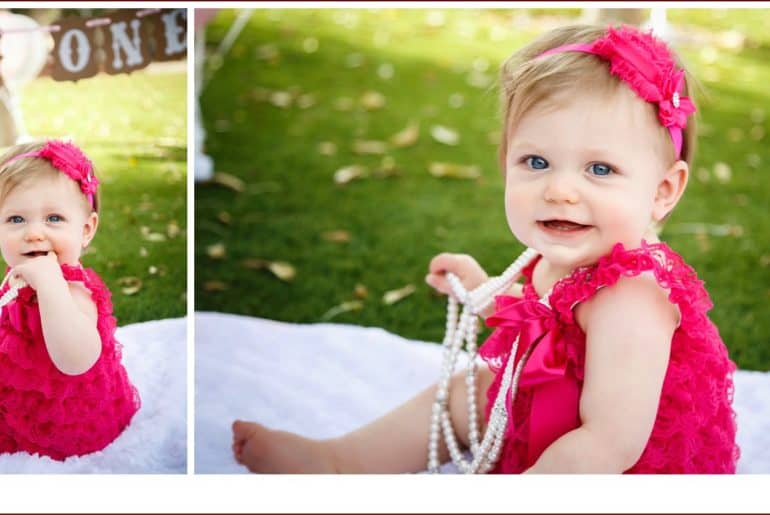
column 155, row 356
column 323, row 380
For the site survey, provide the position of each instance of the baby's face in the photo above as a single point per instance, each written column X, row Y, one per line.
column 583, row 175
column 42, row 215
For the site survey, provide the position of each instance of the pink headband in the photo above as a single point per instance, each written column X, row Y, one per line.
column 646, row 65
column 69, row 159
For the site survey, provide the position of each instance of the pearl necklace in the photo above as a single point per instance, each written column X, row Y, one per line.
column 13, row 288
column 465, row 329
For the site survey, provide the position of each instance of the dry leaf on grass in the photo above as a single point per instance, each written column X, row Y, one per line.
column 337, row 236
column 281, row 269
column 224, row 217
column 360, row 291
column 407, row 136
column 254, row 263
column 445, row 135
column 130, row 285
column 348, row 173
column 281, row 99
column 228, row 181
column 155, row 236
column 387, row 168
column 369, row 147
column 372, row 100
column 722, row 172
column 148, row 235
column 352, row 305
column 327, row 148
column 454, row 171
column 393, row 296
column 215, row 285
column 172, row 229
column 216, row 251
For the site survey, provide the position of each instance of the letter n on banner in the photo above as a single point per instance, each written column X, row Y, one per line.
column 126, row 43
column 170, row 34
column 74, row 52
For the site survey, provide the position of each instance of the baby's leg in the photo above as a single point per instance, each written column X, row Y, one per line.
column 396, row 442
column 266, row 451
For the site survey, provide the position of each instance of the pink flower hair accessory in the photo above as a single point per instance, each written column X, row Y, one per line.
column 69, row 159
column 647, row 66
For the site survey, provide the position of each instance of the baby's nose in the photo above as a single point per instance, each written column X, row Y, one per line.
column 562, row 188
column 34, row 232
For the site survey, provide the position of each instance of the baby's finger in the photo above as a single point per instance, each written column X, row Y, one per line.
column 441, row 263
column 439, row 283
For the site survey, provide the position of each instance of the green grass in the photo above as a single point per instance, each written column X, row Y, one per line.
column 397, row 224
column 133, row 127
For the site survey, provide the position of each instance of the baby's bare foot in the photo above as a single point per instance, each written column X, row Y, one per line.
column 271, row 452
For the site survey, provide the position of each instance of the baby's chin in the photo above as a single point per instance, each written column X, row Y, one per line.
column 568, row 259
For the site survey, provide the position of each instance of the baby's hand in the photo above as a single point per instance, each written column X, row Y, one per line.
column 39, row 271
column 463, row 266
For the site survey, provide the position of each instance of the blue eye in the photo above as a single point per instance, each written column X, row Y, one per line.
column 536, row 163
column 16, row 219
column 55, row 218
column 600, row 169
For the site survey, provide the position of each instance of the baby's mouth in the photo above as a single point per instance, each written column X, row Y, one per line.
column 35, row 253
column 562, row 225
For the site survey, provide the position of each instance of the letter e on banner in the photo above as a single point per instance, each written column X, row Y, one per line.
column 170, row 34
column 74, row 52
column 126, row 43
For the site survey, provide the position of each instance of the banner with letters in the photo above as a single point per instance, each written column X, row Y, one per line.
column 119, row 41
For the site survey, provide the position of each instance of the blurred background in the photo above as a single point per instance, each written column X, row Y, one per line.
column 350, row 146
column 134, row 128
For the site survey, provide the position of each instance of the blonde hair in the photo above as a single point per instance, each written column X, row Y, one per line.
column 25, row 169
column 528, row 81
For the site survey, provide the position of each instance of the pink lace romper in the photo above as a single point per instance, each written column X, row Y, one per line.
column 694, row 431
column 45, row 411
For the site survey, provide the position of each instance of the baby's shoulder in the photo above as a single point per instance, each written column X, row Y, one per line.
column 632, row 300
column 88, row 285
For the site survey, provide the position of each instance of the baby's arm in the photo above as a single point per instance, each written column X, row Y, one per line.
column 628, row 340
column 67, row 314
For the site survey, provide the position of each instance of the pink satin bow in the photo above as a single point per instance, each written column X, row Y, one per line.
column 555, row 391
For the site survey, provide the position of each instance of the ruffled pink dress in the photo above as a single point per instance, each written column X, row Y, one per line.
column 45, row 411
column 694, row 431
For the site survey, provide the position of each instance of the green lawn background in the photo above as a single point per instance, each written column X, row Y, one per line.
column 295, row 78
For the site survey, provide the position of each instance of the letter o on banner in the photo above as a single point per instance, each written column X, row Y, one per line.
column 74, row 53
column 80, row 50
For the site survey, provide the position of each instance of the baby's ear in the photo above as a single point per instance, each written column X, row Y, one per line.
column 89, row 228
column 670, row 189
